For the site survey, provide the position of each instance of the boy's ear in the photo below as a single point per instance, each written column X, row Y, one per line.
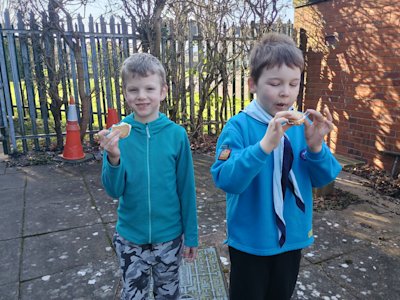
column 252, row 85
column 164, row 90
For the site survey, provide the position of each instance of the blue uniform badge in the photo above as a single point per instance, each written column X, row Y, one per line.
column 303, row 154
column 225, row 153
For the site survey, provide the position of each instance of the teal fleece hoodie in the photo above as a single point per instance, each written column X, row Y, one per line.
column 154, row 183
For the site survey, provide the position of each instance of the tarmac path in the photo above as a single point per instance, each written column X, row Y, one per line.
column 57, row 222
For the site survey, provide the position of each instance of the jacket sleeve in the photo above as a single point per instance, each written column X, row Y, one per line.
column 187, row 193
column 235, row 173
column 322, row 166
column 113, row 178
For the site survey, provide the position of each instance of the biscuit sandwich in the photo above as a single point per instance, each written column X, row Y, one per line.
column 123, row 128
column 296, row 117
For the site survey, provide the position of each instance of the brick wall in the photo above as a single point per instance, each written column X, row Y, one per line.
column 353, row 66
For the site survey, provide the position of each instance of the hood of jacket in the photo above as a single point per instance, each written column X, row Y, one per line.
column 153, row 127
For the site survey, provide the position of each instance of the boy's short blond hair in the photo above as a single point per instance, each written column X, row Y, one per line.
column 143, row 65
column 274, row 50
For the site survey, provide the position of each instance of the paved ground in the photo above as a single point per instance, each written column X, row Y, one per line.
column 57, row 224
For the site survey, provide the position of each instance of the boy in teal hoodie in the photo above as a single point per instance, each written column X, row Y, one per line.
column 268, row 166
column 151, row 172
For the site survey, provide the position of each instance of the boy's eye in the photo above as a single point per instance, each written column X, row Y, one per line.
column 294, row 84
column 274, row 83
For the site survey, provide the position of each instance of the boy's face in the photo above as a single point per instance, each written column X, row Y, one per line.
column 143, row 95
column 276, row 88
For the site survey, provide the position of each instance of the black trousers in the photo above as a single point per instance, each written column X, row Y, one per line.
column 255, row 277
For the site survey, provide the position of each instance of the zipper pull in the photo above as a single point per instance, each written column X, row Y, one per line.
column 147, row 131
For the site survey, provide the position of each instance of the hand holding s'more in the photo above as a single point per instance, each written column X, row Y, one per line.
column 322, row 124
column 108, row 140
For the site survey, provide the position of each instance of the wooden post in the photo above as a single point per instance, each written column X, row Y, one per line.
column 15, row 79
column 95, row 72
column 28, row 78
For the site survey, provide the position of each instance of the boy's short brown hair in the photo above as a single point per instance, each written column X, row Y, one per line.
column 143, row 65
column 274, row 50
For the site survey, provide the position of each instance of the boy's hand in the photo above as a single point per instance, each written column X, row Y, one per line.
column 189, row 253
column 321, row 126
column 108, row 141
column 275, row 131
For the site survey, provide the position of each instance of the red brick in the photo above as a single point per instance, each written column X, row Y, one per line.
column 360, row 76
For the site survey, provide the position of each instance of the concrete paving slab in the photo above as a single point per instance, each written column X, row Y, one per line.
column 94, row 280
column 2, row 167
column 58, row 190
column 54, row 252
column 12, row 181
column 331, row 240
column 11, row 213
column 91, row 174
column 52, row 216
column 313, row 283
column 10, row 252
column 374, row 273
column 363, row 223
column 204, row 183
column 89, row 169
column 14, row 170
column 105, row 205
column 110, row 228
column 49, row 173
column 9, row 291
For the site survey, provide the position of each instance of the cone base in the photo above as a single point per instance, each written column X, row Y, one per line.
column 73, row 157
column 73, row 149
column 86, row 157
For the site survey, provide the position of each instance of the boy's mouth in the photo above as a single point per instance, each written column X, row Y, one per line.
column 142, row 104
column 282, row 106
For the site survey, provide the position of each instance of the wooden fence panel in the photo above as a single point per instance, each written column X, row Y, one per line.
column 200, row 59
column 116, row 64
column 86, row 73
column 106, row 66
column 30, row 58
column 174, row 97
column 38, row 61
column 62, row 59
column 7, row 96
column 191, row 76
column 125, row 41
column 16, row 81
column 95, row 70
column 72, row 66
column 28, row 79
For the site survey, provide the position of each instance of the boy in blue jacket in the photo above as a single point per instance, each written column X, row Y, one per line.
column 267, row 166
column 151, row 172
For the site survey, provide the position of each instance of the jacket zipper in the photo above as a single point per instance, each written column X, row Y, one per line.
column 148, row 178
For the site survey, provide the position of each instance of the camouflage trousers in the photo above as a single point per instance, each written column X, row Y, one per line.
column 141, row 262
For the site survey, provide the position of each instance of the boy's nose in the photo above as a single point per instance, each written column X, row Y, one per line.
column 140, row 94
column 285, row 91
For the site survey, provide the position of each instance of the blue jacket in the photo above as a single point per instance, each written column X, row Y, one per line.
column 154, row 183
column 246, row 177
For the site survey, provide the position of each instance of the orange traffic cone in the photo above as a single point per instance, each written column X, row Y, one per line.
column 112, row 117
column 73, row 147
